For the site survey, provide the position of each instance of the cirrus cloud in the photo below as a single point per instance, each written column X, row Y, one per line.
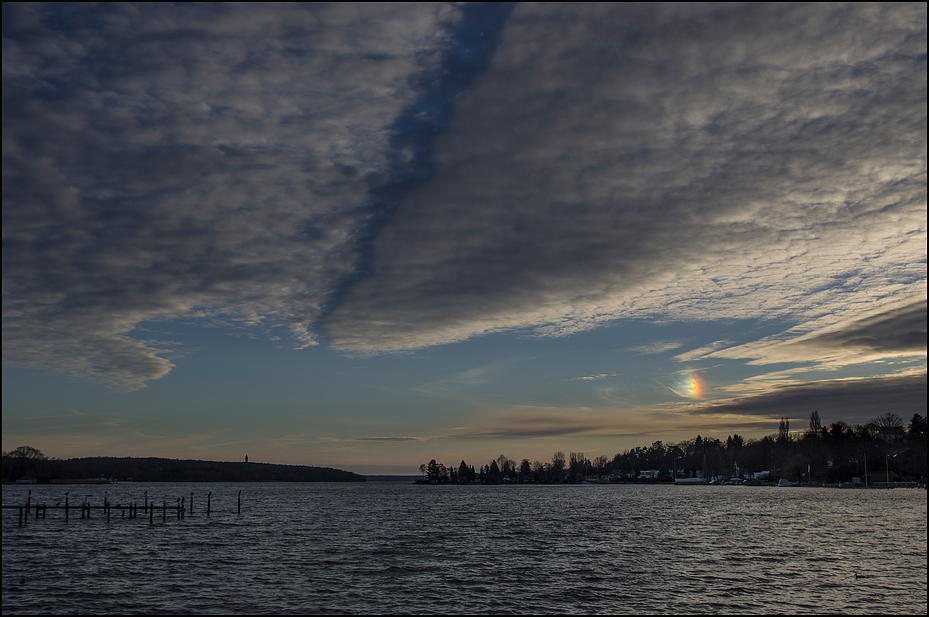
column 205, row 161
column 668, row 162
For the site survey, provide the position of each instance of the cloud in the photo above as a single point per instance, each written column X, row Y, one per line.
column 529, row 423
column 656, row 347
column 393, row 439
column 397, row 176
column 847, row 399
column 205, row 161
column 833, row 342
column 701, row 352
column 534, row 422
column 902, row 330
column 596, row 377
column 664, row 162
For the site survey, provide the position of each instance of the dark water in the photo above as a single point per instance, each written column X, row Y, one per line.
column 405, row 549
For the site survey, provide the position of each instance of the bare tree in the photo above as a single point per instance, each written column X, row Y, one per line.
column 816, row 424
column 887, row 420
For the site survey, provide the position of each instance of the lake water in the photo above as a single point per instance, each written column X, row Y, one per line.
column 408, row 549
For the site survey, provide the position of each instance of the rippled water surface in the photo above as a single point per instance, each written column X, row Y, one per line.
column 407, row 549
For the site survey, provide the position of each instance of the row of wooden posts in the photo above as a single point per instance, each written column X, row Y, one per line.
column 133, row 510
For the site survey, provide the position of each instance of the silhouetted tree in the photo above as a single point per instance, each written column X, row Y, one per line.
column 558, row 466
column 917, row 426
column 26, row 462
column 525, row 471
column 465, row 473
column 494, row 475
column 436, row 472
column 888, row 420
column 816, row 426
column 783, row 431
column 600, row 465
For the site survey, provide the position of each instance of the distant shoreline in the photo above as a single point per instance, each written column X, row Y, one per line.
column 102, row 470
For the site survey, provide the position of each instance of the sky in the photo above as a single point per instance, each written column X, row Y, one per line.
column 367, row 236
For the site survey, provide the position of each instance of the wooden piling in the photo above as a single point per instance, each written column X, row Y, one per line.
column 39, row 509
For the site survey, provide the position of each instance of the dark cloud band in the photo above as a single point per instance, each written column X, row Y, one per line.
column 849, row 400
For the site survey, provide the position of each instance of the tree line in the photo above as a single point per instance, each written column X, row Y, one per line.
column 883, row 448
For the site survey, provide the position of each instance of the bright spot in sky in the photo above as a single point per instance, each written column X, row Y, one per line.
column 691, row 385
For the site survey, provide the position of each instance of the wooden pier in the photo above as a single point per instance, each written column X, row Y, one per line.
column 149, row 509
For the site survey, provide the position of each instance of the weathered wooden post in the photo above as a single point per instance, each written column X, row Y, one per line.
column 164, row 511
column 208, row 496
column 191, row 502
column 240, row 502
column 20, row 516
column 66, row 507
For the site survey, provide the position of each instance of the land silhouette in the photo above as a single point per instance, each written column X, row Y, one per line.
column 882, row 450
column 30, row 465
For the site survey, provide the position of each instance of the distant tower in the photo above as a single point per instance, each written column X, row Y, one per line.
column 246, row 458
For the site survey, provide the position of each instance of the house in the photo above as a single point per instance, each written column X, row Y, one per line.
column 891, row 433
